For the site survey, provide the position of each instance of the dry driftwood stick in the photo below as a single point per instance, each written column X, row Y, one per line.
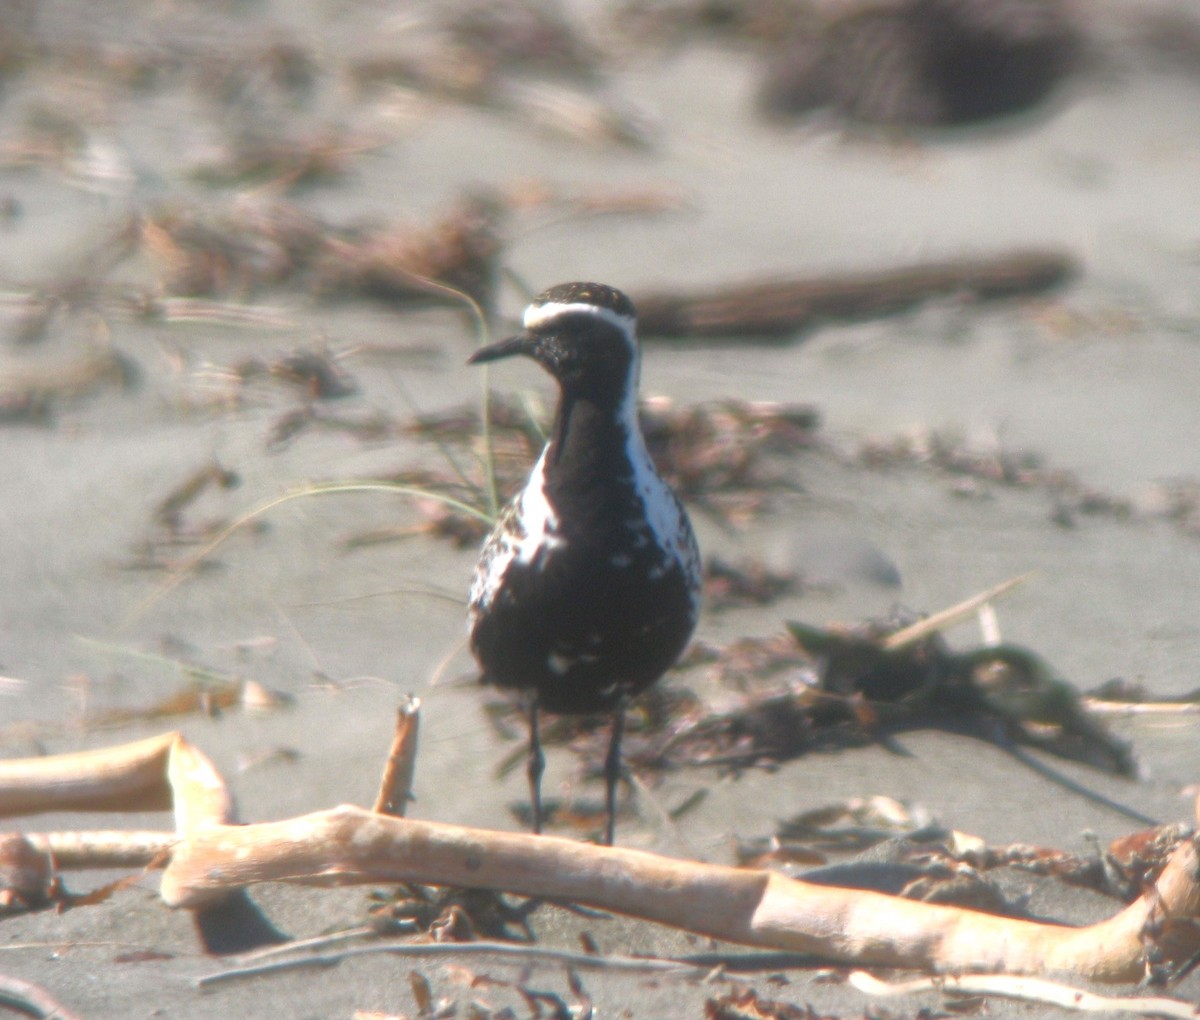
column 779, row 308
column 33, row 1000
column 212, row 858
column 200, row 797
column 348, row 845
column 395, row 787
column 103, row 848
column 1029, row 990
column 127, row 778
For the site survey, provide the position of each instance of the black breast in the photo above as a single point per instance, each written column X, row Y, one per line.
column 605, row 613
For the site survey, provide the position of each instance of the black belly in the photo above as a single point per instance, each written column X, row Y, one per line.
column 582, row 633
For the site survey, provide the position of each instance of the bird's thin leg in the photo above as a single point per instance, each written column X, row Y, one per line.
column 612, row 773
column 536, row 766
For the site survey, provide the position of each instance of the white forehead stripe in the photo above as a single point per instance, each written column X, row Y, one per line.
column 539, row 315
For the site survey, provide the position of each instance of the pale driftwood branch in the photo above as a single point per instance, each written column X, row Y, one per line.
column 127, row 778
column 111, row 848
column 395, row 787
column 1029, row 989
column 200, row 796
column 211, row 858
column 33, row 1000
column 348, row 845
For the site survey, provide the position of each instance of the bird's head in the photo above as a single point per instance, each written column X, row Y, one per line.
column 583, row 334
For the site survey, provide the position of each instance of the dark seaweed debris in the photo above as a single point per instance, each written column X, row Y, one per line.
column 829, row 688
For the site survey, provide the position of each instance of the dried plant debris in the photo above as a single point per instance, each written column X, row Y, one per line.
column 30, row 392
column 1176, row 500
column 577, row 201
column 196, row 690
column 849, row 827
column 926, row 63
column 28, row 879
column 524, row 999
column 283, row 161
column 734, row 585
column 368, row 427
column 1019, row 468
column 974, row 468
column 438, row 519
column 524, row 60
column 520, row 35
column 258, row 245
column 919, row 871
column 1171, row 37
column 315, row 373
column 448, row 914
column 781, row 309
column 742, row 21
column 894, row 63
column 583, row 815
column 255, row 245
column 208, row 695
column 744, row 1003
column 720, row 454
column 170, row 510
column 903, row 852
column 1120, row 696
column 458, row 252
column 177, row 525
column 1123, row 870
column 727, row 458
column 80, row 75
column 180, row 47
column 926, row 681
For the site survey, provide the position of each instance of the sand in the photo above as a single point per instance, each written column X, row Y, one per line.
column 1099, row 380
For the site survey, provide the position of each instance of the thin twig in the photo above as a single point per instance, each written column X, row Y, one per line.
column 322, row 489
column 395, row 786
column 518, row 953
column 948, row 617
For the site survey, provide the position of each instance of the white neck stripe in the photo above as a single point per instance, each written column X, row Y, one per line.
column 539, row 315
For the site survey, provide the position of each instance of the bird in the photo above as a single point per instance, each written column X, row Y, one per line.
column 589, row 587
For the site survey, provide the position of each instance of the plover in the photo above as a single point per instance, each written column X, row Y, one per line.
column 588, row 589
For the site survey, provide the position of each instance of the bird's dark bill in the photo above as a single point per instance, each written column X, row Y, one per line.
column 522, row 343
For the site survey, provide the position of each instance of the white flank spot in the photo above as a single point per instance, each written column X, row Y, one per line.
column 526, row 528
column 537, row 515
column 664, row 514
